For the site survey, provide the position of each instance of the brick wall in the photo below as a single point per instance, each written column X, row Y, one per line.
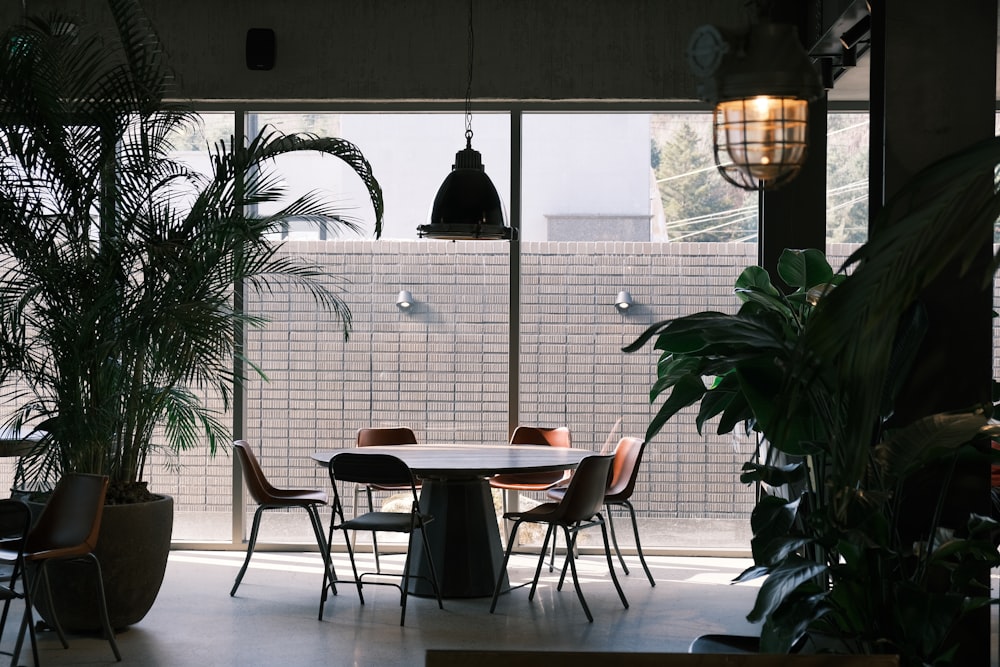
column 442, row 367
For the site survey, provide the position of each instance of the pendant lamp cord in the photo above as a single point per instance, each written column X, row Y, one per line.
column 468, row 88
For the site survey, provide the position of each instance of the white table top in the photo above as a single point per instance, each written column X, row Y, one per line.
column 455, row 460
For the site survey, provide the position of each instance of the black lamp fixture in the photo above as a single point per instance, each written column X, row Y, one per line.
column 761, row 83
column 467, row 205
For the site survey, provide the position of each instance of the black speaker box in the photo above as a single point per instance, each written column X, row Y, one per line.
column 260, row 48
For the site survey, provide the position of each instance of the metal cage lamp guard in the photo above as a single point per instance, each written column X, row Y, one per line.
column 761, row 83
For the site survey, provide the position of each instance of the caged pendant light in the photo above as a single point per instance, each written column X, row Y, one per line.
column 467, row 205
column 761, row 83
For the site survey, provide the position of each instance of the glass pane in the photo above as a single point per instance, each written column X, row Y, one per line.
column 200, row 484
column 645, row 213
column 440, row 367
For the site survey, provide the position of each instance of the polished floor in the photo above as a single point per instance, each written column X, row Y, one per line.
column 272, row 620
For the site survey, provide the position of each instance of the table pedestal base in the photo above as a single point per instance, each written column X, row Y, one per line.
column 464, row 539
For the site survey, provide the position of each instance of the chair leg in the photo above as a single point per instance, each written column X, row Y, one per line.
column 430, row 565
column 27, row 620
column 638, row 547
column 541, row 559
column 43, row 580
column 611, row 564
column 571, row 542
column 371, row 508
column 103, row 605
column 614, row 539
column 250, row 547
column 503, row 566
column 329, row 573
column 354, row 567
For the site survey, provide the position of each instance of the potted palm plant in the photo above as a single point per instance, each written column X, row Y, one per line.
column 854, row 527
column 118, row 263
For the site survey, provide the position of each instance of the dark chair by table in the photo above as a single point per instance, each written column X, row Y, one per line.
column 628, row 455
column 67, row 529
column 381, row 437
column 268, row 497
column 381, row 470
column 534, row 481
column 15, row 522
column 579, row 509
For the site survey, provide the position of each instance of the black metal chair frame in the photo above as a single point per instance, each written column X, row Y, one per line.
column 381, row 470
column 15, row 523
column 267, row 498
column 578, row 510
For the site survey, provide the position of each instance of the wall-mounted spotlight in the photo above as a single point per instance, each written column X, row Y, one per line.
column 404, row 300
column 623, row 301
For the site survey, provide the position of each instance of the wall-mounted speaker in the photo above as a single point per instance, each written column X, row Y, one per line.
column 260, row 48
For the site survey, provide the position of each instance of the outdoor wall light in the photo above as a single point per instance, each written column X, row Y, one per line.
column 623, row 301
column 404, row 300
column 467, row 205
column 761, row 83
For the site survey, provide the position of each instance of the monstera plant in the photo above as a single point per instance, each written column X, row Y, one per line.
column 122, row 269
column 851, row 565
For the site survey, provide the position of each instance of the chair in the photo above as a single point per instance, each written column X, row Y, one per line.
column 628, row 454
column 381, row 437
column 268, row 497
column 380, row 470
column 66, row 530
column 15, row 522
column 537, row 481
column 579, row 509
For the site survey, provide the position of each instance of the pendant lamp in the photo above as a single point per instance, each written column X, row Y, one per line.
column 467, row 205
column 761, row 83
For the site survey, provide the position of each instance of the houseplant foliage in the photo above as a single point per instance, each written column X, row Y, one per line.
column 850, row 564
column 118, row 262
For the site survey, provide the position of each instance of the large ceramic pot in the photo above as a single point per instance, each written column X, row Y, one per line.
column 132, row 547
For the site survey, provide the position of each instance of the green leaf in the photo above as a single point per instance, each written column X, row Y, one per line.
column 755, row 277
column 803, row 269
column 783, row 581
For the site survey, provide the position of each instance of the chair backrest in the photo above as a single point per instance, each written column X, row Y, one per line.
column 15, row 521
column 72, row 516
column 585, row 494
column 372, row 437
column 382, row 469
column 537, row 435
column 260, row 489
column 628, row 455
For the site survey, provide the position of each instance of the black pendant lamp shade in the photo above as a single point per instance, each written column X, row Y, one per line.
column 467, row 206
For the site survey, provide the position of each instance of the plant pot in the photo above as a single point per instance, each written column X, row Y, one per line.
column 132, row 547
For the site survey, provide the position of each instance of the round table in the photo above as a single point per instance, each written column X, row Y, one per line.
column 463, row 538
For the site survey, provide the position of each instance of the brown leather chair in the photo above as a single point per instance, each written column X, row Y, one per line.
column 268, row 497
column 628, row 456
column 540, row 481
column 579, row 509
column 381, row 437
column 67, row 529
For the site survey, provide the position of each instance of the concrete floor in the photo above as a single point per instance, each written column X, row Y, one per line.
column 272, row 620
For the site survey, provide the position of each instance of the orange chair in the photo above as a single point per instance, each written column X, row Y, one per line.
column 270, row 498
column 381, row 437
column 579, row 509
column 539, row 481
column 628, row 455
column 67, row 529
